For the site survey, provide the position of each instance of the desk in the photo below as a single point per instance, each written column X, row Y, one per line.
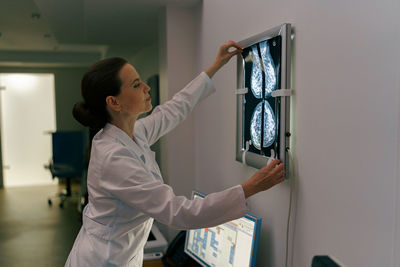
column 153, row 263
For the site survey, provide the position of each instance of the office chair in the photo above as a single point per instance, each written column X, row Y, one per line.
column 68, row 161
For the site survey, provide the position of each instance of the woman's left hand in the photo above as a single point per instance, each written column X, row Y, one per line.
column 225, row 53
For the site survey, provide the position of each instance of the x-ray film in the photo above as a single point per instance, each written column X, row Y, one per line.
column 262, row 114
column 261, row 77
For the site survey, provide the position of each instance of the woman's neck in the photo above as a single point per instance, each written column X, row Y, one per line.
column 126, row 125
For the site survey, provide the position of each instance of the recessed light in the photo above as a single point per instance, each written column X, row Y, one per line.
column 35, row 15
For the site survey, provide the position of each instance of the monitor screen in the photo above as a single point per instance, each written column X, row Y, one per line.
column 232, row 244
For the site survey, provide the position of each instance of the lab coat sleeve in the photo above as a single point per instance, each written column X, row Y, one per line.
column 126, row 179
column 167, row 116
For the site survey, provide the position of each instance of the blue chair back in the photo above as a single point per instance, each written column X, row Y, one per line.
column 68, row 154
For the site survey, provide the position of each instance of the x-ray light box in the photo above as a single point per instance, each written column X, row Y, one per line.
column 263, row 98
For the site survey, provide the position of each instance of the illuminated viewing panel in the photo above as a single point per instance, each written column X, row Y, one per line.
column 262, row 114
column 232, row 244
column 262, row 66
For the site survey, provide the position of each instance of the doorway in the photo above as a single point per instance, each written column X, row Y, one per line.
column 27, row 119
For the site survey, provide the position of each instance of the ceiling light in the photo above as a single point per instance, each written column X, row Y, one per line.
column 35, row 15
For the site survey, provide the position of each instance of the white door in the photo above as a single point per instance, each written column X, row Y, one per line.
column 27, row 113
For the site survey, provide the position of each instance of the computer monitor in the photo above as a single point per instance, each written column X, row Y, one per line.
column 232, row 244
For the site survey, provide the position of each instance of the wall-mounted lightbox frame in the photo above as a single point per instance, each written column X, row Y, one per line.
column 263, row 98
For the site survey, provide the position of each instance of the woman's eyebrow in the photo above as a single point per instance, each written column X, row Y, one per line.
column 136, row 80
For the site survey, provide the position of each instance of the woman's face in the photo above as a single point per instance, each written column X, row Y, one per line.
column 134, row 97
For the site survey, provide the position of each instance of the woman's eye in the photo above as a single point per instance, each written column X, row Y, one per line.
column 136, row 85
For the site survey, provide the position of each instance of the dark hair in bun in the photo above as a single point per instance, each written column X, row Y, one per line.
column 99, row 81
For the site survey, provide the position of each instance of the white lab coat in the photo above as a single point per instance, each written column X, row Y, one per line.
column 126, row 190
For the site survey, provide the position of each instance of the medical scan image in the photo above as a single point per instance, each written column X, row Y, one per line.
column 261, row 110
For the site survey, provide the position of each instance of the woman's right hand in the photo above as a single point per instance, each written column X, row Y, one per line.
column 265, row 178
column 225, row 53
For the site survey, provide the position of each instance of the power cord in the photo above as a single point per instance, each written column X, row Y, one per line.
column 291, row 180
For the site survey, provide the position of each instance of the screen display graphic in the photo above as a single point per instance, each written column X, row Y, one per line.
column 232, row 244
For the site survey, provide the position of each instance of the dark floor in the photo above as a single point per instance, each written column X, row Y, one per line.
column 32, row 233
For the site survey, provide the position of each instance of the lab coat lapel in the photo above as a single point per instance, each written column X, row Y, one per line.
column 122, row 137
column 140, row 149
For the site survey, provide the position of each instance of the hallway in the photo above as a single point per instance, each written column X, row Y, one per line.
column 32, row 233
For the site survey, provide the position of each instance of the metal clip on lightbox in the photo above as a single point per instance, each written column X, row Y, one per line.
column 263, row 98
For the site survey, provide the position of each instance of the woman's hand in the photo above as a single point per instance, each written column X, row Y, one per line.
column 265, row 178
column 224, row 55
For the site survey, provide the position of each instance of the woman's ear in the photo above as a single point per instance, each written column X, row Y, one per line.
column 113, row 103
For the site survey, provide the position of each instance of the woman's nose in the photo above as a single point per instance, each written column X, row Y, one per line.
column 146, row 87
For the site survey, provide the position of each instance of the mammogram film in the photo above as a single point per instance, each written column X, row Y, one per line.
column 263, row 82
column 265, row 65
column 269, row 125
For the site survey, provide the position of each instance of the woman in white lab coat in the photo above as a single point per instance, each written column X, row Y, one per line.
column 126, row 190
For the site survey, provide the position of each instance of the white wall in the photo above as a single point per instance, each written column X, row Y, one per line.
column 344, row 122
column 177, row 63
column 181, row 54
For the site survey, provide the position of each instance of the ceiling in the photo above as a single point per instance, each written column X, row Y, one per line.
column 38, row 30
